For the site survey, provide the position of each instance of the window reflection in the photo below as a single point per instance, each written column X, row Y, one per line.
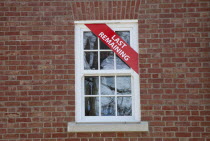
column 125, row 35
column 107, row 106
column 124, row 106
column 91, row 61
column 90, row 41
column 91, row 85
column 107, row 60
column 107, row 85
column 123, row 85
column 91, row 106
column 112, row 97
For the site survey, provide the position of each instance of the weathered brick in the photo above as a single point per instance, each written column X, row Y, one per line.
column 37, row 68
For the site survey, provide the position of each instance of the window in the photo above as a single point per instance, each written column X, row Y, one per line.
column 107, row 90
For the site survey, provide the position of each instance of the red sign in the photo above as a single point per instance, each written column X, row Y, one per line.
column 117, row 44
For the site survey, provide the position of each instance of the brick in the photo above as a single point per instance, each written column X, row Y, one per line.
column 169, row 108
column 12, row 103
column 166, row 15
column 59, row 135
column 182, row 112
column 23, row 120
column 154, row 60
column 24, row 77
column 170, row 118
column 179, row 60
column 195, row 118
column 11, row 136
column 166, row 26
column 191, row 5
column 194, row 85
column 23, row 110
column 205, row 113
column 23, row 131
column 108, row 135
column 195, row 129
column 12, row 83
column 83, row 134
column 153, row 40
column 154, row 70
column 35, row 33
column 121, row 139
column 35, row 135
column 183, row 134
column 168, row 129
column 182, row 124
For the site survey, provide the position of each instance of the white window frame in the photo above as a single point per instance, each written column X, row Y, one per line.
column 132, row 26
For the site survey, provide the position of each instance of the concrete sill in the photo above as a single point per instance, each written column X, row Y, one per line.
column 108, row 127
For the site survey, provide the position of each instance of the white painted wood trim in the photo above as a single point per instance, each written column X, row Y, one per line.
column 105, row 21
column 108, row 127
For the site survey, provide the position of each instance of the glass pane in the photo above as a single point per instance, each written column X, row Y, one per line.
column 107, row 85
column 124, row 106
column 91, row 106
column 91, row 85
column 107, row 60
column 90, row 60
column 123, row 85
column 125, row 35
column 107, row 106
column 103, row 46
column 90, row 41
column 120, row 64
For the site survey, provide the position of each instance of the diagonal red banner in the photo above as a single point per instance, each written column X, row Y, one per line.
column 117, row 44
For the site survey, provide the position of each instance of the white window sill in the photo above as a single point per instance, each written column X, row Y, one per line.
column 108, row 127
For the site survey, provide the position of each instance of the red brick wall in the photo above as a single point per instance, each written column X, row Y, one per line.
column 37, row 68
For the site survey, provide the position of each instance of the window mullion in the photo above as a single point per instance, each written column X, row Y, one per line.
column 115, row 81
column 99, row 95
column 99, row 63
column 115, row 62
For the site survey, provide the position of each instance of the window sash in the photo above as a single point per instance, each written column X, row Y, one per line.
column 81, row 73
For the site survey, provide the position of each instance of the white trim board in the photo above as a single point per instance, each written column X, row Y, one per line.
column 111, row 127
column 105, row 21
